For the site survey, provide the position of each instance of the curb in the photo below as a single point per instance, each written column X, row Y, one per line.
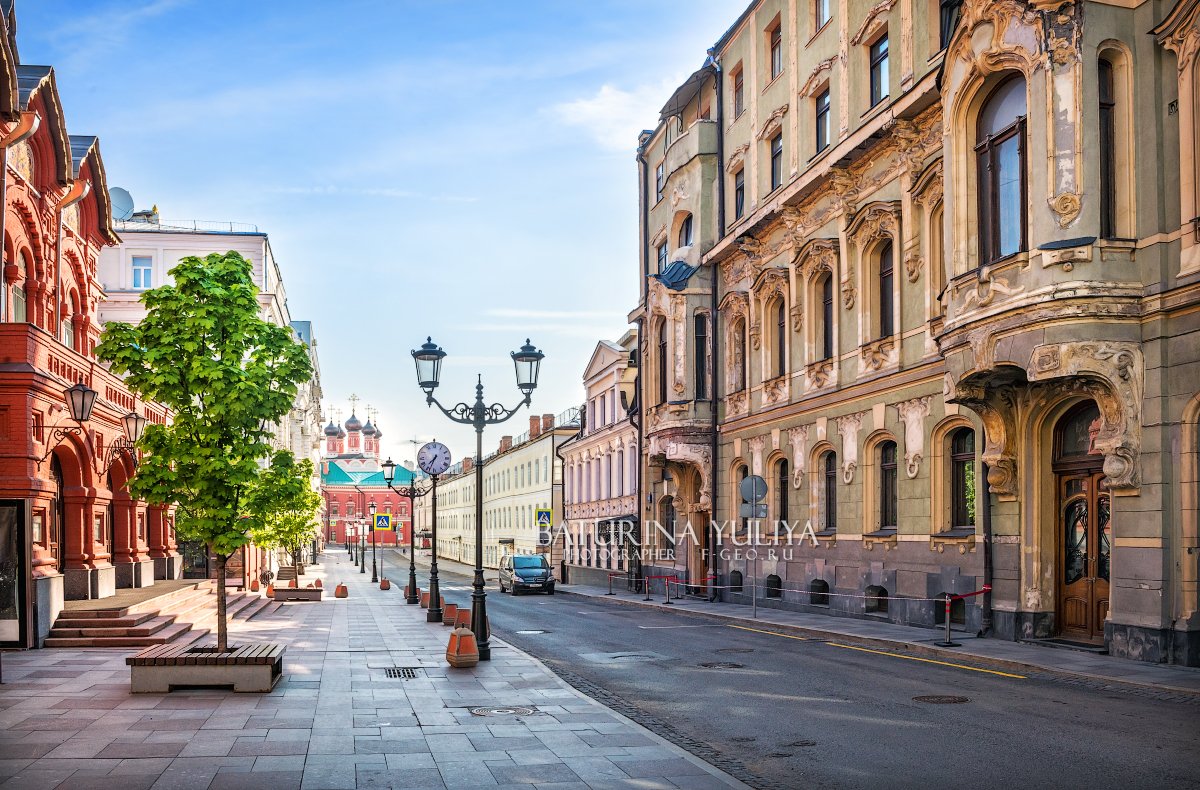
column 926, row 651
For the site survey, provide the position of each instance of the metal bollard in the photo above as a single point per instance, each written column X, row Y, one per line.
column 667, row 589
column 610, row 592
column 948, row 642
column 754, row 596
column 646, row 581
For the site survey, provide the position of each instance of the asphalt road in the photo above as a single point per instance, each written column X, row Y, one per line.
column 784, row 712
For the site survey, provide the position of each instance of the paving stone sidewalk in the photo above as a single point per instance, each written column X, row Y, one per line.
column 1018, row 656
column 68, row 720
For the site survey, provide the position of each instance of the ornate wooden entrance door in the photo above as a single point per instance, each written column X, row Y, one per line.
column 1086, row 553
column 1083, row 530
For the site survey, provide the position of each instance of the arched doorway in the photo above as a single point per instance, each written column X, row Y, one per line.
column 1083, row 528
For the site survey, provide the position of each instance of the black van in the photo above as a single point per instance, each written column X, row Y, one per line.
column 521, row 572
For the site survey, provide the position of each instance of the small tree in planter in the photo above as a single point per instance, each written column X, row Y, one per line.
column 282, row 506
column 203, row 351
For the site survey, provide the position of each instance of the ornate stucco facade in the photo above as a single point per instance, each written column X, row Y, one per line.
column 952, row 254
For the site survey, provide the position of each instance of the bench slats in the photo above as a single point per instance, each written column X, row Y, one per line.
column 175, row 655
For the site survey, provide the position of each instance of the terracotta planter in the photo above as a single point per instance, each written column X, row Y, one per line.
column 254, row 586
column 270, row 590
column 318, row 583
column 384, row 584
column 340, row 591
column 425, row 600
column 462, row 651
column 463, row 618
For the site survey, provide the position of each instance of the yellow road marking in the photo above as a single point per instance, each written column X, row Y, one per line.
column 885, row 653
column 772, row 633
column 928, row 661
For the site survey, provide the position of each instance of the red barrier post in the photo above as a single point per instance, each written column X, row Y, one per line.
column 646, row 581
column 610, row 592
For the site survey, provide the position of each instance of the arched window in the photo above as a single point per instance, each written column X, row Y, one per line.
column 1000, row 152
column 1107, row 93
column 887, row 281
column 781, row 365
column 662, row 361
column 349, row 509
column 887, row 486
column 620, row 473
column 608, row 466
column 826, row 288
column 334, row 510
column 774, row 587
column 782, row 486
column 962, row 479
column 818, row 592
column 742, row 473
column 685, row 232
column 735, row 581
column 827, row 500
column 700, row 355
column 19, row 304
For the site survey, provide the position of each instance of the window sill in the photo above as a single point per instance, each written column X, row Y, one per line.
column 964, row 539
column 875, row 108
column 820, row 30
column 773, row 80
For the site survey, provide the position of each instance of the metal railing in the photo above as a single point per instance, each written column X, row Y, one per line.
column 189, row 225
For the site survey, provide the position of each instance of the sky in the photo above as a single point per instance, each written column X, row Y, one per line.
column 461, row 169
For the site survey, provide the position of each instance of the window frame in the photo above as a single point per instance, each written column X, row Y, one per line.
column 776, row 159
column 886, row 267
column 823, row 113
column 739, row 91
column 781, row 332
column 888, row 491
column 147, row 270
column 661, row 367
column 827, row 502
column 700, row 354
column 662, row 255
column 686, row 237
column 822, row 14
column 775, row 49
column 1106, row 100
column 879, row 69
column 962, row 465
column 782, row 494
column 739, row 193
column 987, row 151
column 660, row 180
column 828, row 315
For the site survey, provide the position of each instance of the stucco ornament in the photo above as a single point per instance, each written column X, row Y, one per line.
column 997, row 409
column 819, row 373
column 736, row 157
column 846, row 189
column 772, row 123
column 757, row 444
column 913, row 413
column 775, row 391
column 679, row 194
column 814, row 81
column 848, row 289
column 848, row 428
column 817, row 255
column 798, row 437
column 1066, row 207
column 737, row 404
column 875, row 221
column 700, row 457
column 678, row 314
column 1114, row 375
column 873, row 22
column 797, row 317
column 913, row 263
column 878, row 353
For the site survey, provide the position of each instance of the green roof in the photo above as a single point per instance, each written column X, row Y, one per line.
column 338, row 476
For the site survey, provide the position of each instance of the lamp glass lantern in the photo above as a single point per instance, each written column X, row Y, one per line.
column 528, row 361
column 80, row 400
column 371, row 507
column 135, row 425
column 389, row 471
column 428, row 359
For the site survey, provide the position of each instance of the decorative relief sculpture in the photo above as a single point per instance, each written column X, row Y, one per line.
column 878, row 353
column 797, row 317
column 679, row 194
column 755, row 335
column 848, row 427
column 700, row 457
column 815, row 255
column 1066, row 207
column 848, row 289
column 997, row 410
column 987, row 285
column 736, row 157
column 875, row 221
column 873, row 22
column 799, row 441
column 756, row 444
column 814, row 81
column 819, row 373
column 913, row 263
column 775, row 391
column 737, row 404
column 846, row 189
column 912, row 414
column 772, row 122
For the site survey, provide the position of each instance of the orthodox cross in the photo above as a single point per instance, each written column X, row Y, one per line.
column 353, row 401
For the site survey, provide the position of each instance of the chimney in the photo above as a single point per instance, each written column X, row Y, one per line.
column 468, row 464
column 547, row 422
column 535, row 427
column 505, row 444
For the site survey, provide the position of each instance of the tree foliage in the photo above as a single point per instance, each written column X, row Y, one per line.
column 281, row 507
column 227, row 375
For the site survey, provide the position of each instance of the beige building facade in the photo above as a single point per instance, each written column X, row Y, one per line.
column 946, row 261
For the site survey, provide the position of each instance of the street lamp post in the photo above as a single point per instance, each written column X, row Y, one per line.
column 412, row 493
column 374, row 561
column 362, row 549
column 528, row 361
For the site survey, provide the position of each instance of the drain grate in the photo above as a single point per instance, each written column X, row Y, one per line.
column 509, row 711
column 940, row 699
column 721, row 665
column 403, row 673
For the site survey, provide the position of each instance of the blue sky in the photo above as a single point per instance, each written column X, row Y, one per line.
column 459, row 168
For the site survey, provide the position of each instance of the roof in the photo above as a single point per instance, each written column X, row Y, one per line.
column 39, row 80
column 367, row 478
column 82, row 147
column 676, row 275
column 684, row 94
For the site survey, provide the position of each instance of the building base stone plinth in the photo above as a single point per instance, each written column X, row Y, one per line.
column 83, row 584
column 168, row 568
column 1137, row 642
column 135, row 574
column 48, row 602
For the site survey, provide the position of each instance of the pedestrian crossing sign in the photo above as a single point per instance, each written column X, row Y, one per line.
column 544, row 517
column 383, row 522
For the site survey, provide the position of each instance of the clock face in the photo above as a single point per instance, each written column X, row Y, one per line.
column 433, row 458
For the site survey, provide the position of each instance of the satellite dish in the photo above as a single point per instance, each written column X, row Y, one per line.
column 122, row 203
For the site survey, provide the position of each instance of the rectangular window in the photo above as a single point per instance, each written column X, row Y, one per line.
column 827, row 317
column 659, row 181
column 142, row 267
column 887, row 283
column 879, row 71
column 700, row 355
column 777, row 161
column 887, row 486
column 776, row 38
column 823, row 121
column 823, row 14
column 739, row 92
column 1108, row 151
column 19, row 308
column 739, row 194
column 829, row 489
column 951, row 10
column 662, row 256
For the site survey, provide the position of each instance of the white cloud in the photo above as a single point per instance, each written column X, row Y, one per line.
column 612, row 116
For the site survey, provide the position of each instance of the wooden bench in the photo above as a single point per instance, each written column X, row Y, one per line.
column 164, row 668
column 298, row 593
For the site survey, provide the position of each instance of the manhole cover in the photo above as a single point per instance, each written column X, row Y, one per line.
column 734, row 650
column 940, row 699
column 510, row 711
column 403, row 673
column 530, row 631
column 721, row 665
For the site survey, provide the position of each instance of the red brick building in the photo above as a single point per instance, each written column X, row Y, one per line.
column 68, row 527
column 352, row 479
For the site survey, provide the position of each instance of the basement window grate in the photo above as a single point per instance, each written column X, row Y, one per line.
column 403, row 673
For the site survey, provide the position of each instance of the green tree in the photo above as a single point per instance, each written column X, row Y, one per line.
column 227, row 375
column 281, row 506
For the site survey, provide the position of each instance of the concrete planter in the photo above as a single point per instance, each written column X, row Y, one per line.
column 161, row 669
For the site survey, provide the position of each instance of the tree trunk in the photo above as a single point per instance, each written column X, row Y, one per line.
column 222, row 628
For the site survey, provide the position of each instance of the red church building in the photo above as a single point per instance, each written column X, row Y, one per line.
column 68, row 528
column 352, row 480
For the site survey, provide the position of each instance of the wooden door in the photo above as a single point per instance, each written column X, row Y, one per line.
column 1085, row 553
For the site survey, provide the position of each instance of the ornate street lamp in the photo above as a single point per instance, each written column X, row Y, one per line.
column 412, row 493
column 80, row 399
column 527, row 361
column 134, row 425
column 374, row 556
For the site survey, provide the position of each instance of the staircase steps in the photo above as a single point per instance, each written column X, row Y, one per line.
column 160, row 636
